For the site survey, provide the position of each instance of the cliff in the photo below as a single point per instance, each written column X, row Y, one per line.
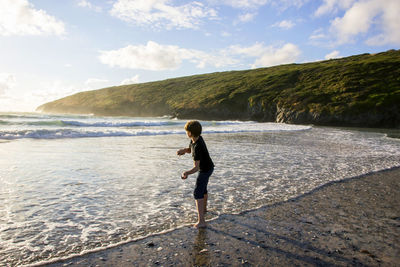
column 362, row 90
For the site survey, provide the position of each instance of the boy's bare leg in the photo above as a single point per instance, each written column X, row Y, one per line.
column 205, row 203
column 201, row 223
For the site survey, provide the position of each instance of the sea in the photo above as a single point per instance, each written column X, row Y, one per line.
column 74, row 184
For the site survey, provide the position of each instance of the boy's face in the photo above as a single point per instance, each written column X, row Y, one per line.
column 189, row 134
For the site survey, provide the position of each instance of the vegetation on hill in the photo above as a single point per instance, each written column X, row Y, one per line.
column 362, row 90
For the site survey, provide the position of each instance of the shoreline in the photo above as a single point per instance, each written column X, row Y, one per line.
column 355, row 221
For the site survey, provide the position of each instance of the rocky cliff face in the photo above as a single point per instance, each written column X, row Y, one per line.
column 386, row 118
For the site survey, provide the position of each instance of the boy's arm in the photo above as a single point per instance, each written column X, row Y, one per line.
column 195, row 168
column 183, row 151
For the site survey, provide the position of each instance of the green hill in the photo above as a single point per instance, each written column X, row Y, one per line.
column 362, row 90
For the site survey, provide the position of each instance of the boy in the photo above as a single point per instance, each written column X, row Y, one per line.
column 202, row 163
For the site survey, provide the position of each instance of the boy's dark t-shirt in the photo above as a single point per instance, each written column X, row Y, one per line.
column 200, row 152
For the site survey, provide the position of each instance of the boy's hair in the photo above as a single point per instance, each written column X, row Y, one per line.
column 194, row 127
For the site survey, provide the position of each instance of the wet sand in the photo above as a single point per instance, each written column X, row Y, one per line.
column 354, row 222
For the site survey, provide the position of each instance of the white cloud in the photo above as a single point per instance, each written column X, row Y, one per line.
column 267, row 56
column 358, row 19
column 318, row 35
column 247, row 17
column 19, row 17
column 333, row 54
column 7, row 81
column 252, row 51
column 87, row 4
column 255, row 4
column 132, row 80
column 284, row 24
column 157, row 57
column 159, row 13
column 390, row 25
column 363, row 17
column 151, row 56
column 154, row 56
column 285, row 4
column 243, row 3
column 203, row 59
column 333, row 6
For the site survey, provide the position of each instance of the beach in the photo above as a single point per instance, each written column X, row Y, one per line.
column 352, row 222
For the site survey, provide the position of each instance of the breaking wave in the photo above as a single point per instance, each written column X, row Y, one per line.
column 88, row 133
column 19, row 126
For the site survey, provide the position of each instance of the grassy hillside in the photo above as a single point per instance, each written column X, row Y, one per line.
column 362, row 90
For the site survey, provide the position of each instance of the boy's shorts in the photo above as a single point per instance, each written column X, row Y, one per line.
column 201, row 184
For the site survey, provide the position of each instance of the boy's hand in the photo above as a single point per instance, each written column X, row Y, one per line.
column 184, row 175
column 181, row 152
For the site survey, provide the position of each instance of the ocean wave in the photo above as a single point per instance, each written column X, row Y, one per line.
column 57, row 123
column 18, row 116
column 76, row 133
column 69, row 123
column 115, row 124
column 119, row 124
column 69, row 133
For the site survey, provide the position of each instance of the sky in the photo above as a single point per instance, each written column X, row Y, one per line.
column 51, row 49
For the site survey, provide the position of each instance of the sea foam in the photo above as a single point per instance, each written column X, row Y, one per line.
column 51, row 128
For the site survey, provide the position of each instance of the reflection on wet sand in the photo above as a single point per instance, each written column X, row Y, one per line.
column 201, row 254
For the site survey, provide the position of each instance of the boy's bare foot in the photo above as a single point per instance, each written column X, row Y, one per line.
column 199, row 225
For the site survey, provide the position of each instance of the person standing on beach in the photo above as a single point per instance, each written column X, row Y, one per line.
column 202, row 164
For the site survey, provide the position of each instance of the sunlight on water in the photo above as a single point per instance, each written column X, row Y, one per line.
column 64, row 194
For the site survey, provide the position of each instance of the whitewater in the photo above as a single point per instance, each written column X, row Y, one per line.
column 75, row 184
